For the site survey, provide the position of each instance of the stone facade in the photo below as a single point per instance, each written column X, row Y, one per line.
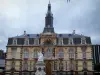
column 64, row 51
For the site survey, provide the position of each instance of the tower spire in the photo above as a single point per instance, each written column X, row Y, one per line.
column 49, row 20
column 49, row 6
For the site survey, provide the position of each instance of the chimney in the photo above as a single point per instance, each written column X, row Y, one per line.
column 73, row 31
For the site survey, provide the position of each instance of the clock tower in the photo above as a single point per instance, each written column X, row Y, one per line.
column 49, row 21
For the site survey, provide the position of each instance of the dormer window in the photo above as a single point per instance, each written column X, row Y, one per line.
column 83, row 40
column 36, row 41
column 70, row 41
column 60, row 41
column 26, row 42
column 14, row 41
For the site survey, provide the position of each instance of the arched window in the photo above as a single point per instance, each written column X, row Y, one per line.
column 26, row 53
column 35, row 53
column 49, row 52
column 61, row 53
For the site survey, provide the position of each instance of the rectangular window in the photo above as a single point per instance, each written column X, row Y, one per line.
column 71, row 53
column 77, row 40
column 26, row 54
column 66, row 65
column 61, row 66
column 13, row 64
column 61, row 55
column 25, row 65
column 31, row 41
column 65, row 41
column 84, row 65
column 55, row 65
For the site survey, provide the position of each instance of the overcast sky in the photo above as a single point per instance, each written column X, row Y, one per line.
column 19, row 15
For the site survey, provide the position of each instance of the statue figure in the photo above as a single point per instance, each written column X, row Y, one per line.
column 40, row 56
column 40, row 65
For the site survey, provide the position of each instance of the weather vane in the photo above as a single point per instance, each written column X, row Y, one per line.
column 68, row 1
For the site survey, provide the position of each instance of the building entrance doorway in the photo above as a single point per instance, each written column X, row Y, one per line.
column 48, row 68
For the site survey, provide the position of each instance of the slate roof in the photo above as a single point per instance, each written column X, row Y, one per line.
column 70, row 35
column 76, row 38
column 28, row 35
column 58, row 35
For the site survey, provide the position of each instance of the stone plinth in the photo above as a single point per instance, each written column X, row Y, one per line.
column 40, row 66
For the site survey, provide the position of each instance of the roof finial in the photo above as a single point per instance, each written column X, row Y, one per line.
column 49, row 6
column 24, row 33
column 49, row 1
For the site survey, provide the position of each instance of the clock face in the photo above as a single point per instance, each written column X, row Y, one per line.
column 48, row 26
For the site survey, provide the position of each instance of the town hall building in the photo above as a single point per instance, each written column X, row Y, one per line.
column 62, row 52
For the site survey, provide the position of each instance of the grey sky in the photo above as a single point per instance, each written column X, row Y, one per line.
column 19, row 15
